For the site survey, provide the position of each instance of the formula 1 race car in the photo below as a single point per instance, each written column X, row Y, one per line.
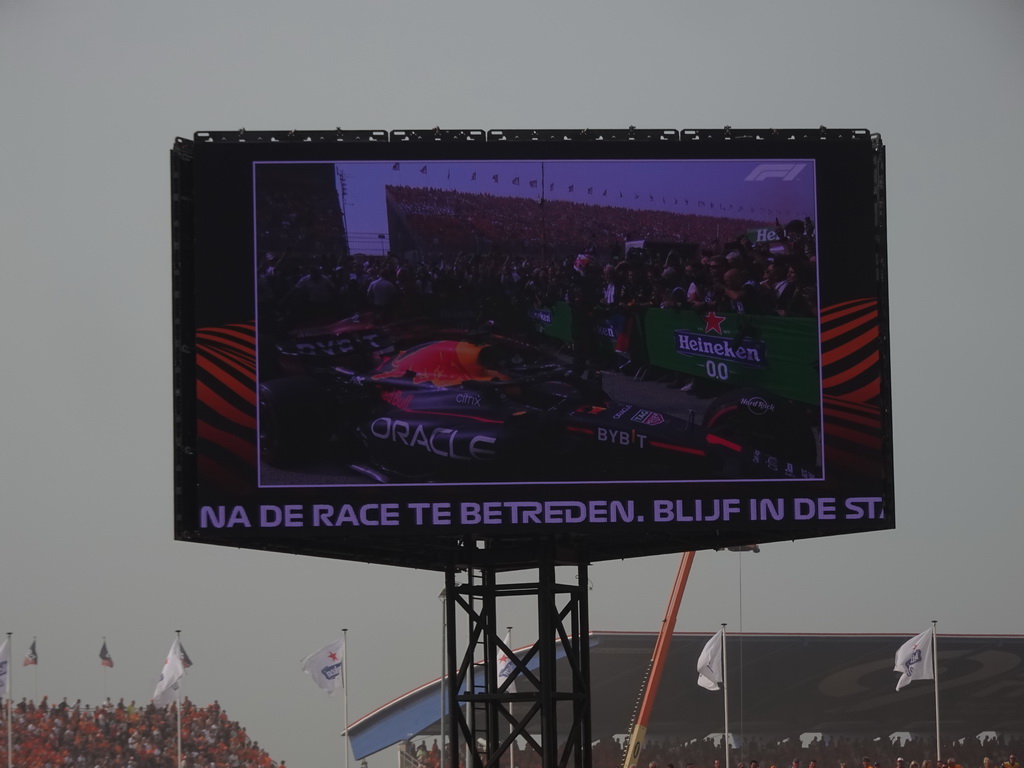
column 492, row 409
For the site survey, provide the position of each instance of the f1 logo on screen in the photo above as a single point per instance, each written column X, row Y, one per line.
column 783, row 171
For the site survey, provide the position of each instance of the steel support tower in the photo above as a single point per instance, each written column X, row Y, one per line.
column 493, row 710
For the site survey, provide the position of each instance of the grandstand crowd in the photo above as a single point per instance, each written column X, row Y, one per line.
column 126, row 735
column 840, row 752
column 45, row 735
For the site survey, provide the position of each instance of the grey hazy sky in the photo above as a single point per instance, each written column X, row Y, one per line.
column 92, row 95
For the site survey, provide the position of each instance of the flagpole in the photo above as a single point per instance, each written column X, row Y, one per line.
column 511, row 726
column 104, row 672
column 178, row 631
column 725, row 698
column 444, row 640
column 345, row 679
column 935, row 676
column 35, row 672
column 9, row 691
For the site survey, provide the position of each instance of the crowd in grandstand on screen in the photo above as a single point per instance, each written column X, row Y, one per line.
column 839, row 752
column 437, row 220
column 45, row 735
column 304, row 277
column 472, row 261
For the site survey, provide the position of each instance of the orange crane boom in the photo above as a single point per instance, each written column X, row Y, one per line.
column 668, row 626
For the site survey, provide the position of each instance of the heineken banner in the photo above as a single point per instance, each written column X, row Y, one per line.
column 763, row 235
column 554, row 321
column 779, row 354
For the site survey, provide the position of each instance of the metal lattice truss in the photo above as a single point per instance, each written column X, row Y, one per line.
column 512, row 699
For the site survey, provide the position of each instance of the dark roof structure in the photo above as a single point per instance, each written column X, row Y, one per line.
column 779, row 685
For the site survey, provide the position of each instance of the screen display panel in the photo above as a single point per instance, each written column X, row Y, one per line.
column 398, row 349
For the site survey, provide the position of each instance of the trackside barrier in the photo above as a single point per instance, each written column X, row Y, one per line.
column 778, row 354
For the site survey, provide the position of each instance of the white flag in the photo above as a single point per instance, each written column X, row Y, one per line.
column 505, row 665
column 709, row 665
column 327, row 665
column 5, row 669
column 174, row 669
column 914, row 659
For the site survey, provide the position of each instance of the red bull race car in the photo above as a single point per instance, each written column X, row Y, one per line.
column 482, row 408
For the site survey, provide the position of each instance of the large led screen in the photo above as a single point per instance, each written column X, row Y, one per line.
column 403, row 349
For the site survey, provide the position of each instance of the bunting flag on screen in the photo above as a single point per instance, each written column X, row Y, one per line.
column 505, row 664
column 914, row 659
column 709, row 664
column 105, row 658
column 5, row 669
column 172, row 672
column 327, row 665
column 31, row 658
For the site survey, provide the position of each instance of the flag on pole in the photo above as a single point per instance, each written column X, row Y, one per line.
column 5, row 669
column 506, row 666
column 186, row 662
column 172, row 672
column 709, row 664
column 914, row 659
column 31, row 658
column 327, row 665
column 105, row 658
